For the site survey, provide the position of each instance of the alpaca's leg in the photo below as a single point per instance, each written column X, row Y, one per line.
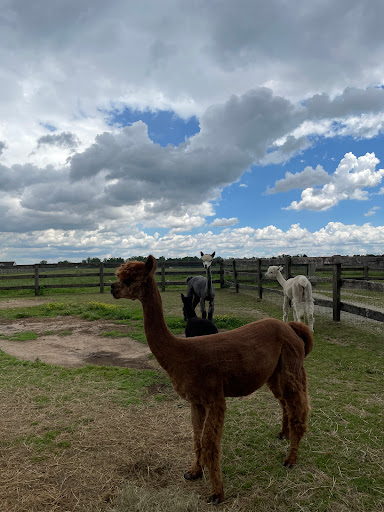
column 274, row 386
column 310, row 311
column 195, row 300
column 211, row 309
column 298, row 307
column 202, row 308
column 211, row 448
column 297, row 406
column 285, row 309
column 198, row 414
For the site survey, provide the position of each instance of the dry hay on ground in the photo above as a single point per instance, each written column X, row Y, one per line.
column 97, row 445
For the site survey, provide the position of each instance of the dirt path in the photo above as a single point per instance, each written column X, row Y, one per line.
column 71, row 341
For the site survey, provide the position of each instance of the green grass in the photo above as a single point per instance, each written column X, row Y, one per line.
column 125, row 385
column 116, row 334
column 340, row 466
column 21, row 336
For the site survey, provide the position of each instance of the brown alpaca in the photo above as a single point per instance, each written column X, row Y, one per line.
column 206, row 369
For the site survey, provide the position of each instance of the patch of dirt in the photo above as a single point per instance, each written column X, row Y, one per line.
column 74, row 342
column 21, row 303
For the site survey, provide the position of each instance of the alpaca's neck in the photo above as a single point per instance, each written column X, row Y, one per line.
column 281, row 279
column 209, row 279
column 190, row 314
column 161, row 341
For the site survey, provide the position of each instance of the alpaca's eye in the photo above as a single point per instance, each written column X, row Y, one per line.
column 128, row 281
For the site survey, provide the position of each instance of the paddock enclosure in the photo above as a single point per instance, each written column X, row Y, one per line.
column 101, row 438
column 342, row 283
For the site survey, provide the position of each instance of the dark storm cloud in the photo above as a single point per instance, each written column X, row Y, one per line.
column 351, row 102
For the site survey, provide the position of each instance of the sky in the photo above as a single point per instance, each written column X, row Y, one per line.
column 248, row 128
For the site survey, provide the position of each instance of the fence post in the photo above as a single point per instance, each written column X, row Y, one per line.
column 163, row 276
column 336, row 291
column 101, row 277
column 287, row 267
column 221, row 274
column 235, row 276
column 366, row 272
column 37, row 288
column 259, row 279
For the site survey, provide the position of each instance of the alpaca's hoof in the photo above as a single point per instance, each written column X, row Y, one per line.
column 281, row 435
column 288, row 464
column 193, row 475
column 215, row 499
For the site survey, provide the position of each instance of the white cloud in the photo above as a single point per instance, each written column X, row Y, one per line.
column 54, row 245
column 372, row 211
column 224, row 222
column 349, row 180
column 260, row 96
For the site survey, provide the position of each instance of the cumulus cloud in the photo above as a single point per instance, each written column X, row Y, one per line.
column 224, row 222
column 124, row 173
column 65, row 139
column 283, row 150
column 260, row 96
column 309, row 177
column 352, row 101
column 251, row 122
column 349, row 180
column 127, row 240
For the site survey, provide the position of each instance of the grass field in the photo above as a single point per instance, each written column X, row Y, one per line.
column 118, row 440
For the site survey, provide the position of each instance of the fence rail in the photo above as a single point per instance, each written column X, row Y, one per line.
column 39, row 275
column 241, row 270
column 240, row 274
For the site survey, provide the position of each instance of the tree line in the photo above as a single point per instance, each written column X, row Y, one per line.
column 186, row 259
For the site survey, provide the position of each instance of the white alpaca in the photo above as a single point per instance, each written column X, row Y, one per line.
column 298, row 290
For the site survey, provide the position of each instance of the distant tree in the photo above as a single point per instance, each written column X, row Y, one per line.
column 137, row 258
column 91, row 261
column 43, row 262
column 114, row 260
column 63, row 262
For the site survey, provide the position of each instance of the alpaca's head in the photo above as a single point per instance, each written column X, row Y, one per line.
column 132, row 277
column 272, row 271
column 207, row 259
column 188, row 310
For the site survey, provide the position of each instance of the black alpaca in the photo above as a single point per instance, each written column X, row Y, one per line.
column 195, row 326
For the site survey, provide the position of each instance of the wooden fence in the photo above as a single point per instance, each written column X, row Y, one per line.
column 102, row 275
column 241, row 274
column 249, row 274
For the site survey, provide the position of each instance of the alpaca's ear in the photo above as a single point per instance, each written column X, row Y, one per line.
column 150, row 265
column 281, row 269
column 213, row 254
column 202, row 254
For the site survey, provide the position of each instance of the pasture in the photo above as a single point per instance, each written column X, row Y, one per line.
column 117, row 439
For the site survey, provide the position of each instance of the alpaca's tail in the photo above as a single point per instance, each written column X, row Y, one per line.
column 303, row 281
column 303, row 331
